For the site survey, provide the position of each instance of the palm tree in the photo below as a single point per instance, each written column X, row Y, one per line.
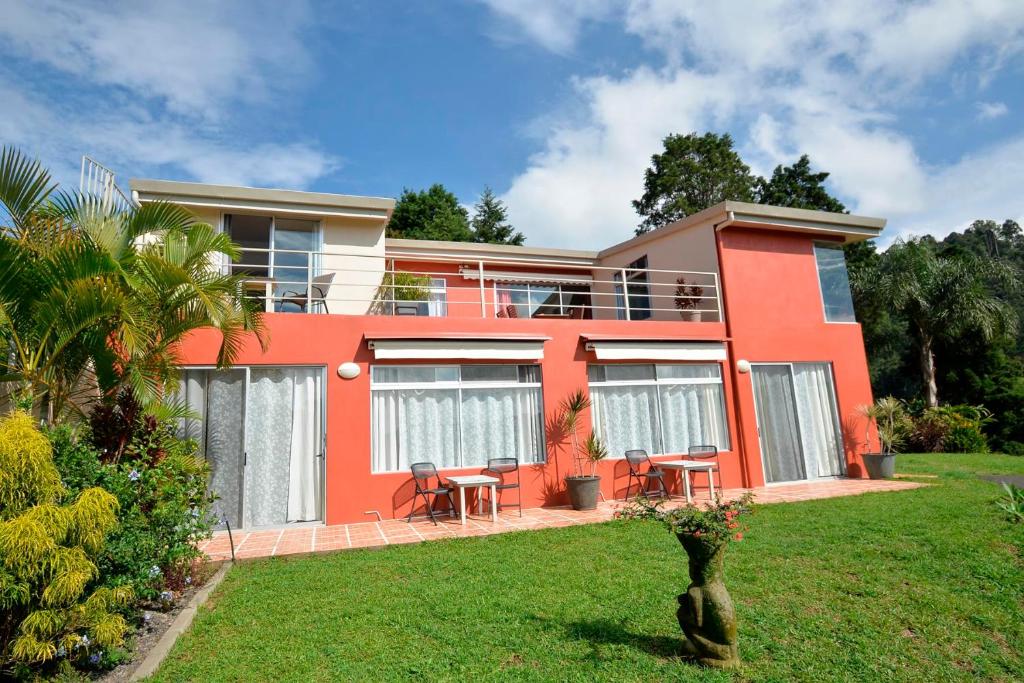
column 943, row 297
column 94, row 297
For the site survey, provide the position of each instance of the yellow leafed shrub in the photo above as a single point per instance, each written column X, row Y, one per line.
column 47, row 550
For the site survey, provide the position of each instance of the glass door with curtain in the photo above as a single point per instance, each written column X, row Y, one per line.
column 262, row 430
column 797, row 421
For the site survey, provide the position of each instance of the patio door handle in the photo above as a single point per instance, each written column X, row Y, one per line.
column 245, row 458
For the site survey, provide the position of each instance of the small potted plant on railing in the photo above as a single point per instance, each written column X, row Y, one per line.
column 583, row 484
column 687, row 299
column 706, row 614
column 893, row 425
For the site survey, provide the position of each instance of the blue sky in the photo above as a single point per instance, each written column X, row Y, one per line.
column 915, row 108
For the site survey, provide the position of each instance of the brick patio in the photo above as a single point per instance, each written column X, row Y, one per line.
column 310, row 539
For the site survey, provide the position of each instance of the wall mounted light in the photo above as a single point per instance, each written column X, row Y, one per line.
column 348, row 370
column 743, row 366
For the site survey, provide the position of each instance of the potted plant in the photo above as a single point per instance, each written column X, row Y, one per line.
column 893, row 425
column 706, row 614
column 583, row 484
column 687, row 299
column 397, row 287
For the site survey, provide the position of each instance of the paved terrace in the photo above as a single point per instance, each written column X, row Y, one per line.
column 315, row 539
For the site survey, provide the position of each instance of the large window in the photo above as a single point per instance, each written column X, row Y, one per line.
column 659, row 408
column 530, row 300
column 279, row 249
column 455, row 416
column 835, row 283
column 639, row 292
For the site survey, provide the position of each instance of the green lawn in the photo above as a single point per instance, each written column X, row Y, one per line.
column 916, row 585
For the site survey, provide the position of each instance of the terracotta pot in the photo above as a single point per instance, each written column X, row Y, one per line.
column 880, row 465
column 583, row 492
column 691, row 316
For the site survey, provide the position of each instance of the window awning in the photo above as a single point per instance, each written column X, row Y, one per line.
column 657, row 350
column 457, row 348
column 539, row 278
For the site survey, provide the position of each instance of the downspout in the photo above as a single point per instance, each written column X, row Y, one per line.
column 734, row 373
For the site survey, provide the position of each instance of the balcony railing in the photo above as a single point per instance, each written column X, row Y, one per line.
column 456, row 286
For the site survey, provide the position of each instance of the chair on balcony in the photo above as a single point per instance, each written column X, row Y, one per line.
column 636, row 459
column 503, row 468
column 319, row 286
column 706, row 452
column 422, row 473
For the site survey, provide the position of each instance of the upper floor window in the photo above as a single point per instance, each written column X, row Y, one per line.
column 639, row 292
column 280, row 251
column 835, row 283
column 542, row 300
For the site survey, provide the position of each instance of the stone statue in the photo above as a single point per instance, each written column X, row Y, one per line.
column 706, row 613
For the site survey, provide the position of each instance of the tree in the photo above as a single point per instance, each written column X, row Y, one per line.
column 798, row 187
column 691, row 174
column 942, row 298
column 490, row 221
column 94, row 295
column 431, row 214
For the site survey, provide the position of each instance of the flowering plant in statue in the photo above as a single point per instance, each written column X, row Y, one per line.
column 716, row 523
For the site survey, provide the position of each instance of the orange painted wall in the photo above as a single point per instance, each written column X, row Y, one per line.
column 775, row 313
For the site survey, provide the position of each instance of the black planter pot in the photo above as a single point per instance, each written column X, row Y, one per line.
column 880, row 465
column 583, row 492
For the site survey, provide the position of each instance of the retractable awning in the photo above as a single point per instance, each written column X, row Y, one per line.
column 539, row 278
column 608, row 349
column 456, row 347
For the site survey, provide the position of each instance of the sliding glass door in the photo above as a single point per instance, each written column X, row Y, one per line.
column 282, row 250
column 262, row 431
column 797, row 421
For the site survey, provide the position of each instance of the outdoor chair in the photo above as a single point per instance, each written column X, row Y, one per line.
column 636, row 459
column 407, row 309
column 317, row 293
column 502, row 468
column 422, row 473
column 707, row 452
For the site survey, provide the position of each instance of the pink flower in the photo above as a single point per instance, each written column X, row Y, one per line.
column 739, row 537
column 696, row 533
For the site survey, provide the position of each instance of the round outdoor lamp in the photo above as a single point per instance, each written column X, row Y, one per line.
column 348, row 370
column 743, row 366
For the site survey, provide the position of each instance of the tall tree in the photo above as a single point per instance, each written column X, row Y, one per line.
column 797, row 186
column 691, row 174
column 490, row 221
column 431, row 214
column 941, row 297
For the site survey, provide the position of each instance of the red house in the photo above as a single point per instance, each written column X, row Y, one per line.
column 733, row 328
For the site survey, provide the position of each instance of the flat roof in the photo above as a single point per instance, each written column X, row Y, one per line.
column 398, row 247
column 230, row 196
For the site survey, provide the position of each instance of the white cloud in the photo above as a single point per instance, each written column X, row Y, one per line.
column 991, row 110
column 785, row 77
column 554, row 24
column 158, row 87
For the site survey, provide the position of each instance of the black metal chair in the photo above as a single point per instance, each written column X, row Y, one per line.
column 422, row 472
column 707, row 452
column 502, row 468
column 636, row 459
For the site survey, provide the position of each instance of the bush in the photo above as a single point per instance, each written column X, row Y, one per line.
column 954, row 429
column 49, row 543
column 1013, row 448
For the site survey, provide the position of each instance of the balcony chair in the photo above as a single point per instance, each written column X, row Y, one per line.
column 502, row 468
column 407, row 309
column 636, row 459
column 706, row 452
column 319, row 285
column 422, row 472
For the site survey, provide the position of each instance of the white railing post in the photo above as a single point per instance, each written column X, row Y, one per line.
column 625, row 292
column 718, row 298
column 483, row 298
column 309, row 282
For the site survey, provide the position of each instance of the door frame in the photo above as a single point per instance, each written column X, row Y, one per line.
column 803, row 451
column 322, row 456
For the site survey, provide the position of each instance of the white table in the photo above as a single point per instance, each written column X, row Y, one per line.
column 687, row 466
column 479, row 481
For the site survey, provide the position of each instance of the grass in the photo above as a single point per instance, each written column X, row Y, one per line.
column 916, row 585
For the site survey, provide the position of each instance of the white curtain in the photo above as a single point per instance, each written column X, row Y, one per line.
column 269, row 447
column 626, row 417
column 777, row 423
column 502, row 423
column 693, row 415
column 414, row 425
column 816, row 408
column 304, row 468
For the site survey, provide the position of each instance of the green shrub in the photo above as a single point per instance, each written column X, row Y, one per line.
column 50, row 609
column 1013, row 448
column 1013, row 503
column 954, row 429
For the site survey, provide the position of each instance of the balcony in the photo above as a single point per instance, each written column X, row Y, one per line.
column 459, row 286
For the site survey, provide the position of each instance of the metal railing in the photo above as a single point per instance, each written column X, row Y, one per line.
column 455, row 286
column 97, row 180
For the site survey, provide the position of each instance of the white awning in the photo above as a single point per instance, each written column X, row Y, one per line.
column 511, row 276
column 657, row 350
column 456, row 349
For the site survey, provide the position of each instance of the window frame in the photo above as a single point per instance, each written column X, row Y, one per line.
column 458, row 385
column 818, row 244
column 638, row 277
column 560, row 286
column 318, row 237
column 667, row 381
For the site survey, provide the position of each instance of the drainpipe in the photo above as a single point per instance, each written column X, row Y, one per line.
column 737, row 410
